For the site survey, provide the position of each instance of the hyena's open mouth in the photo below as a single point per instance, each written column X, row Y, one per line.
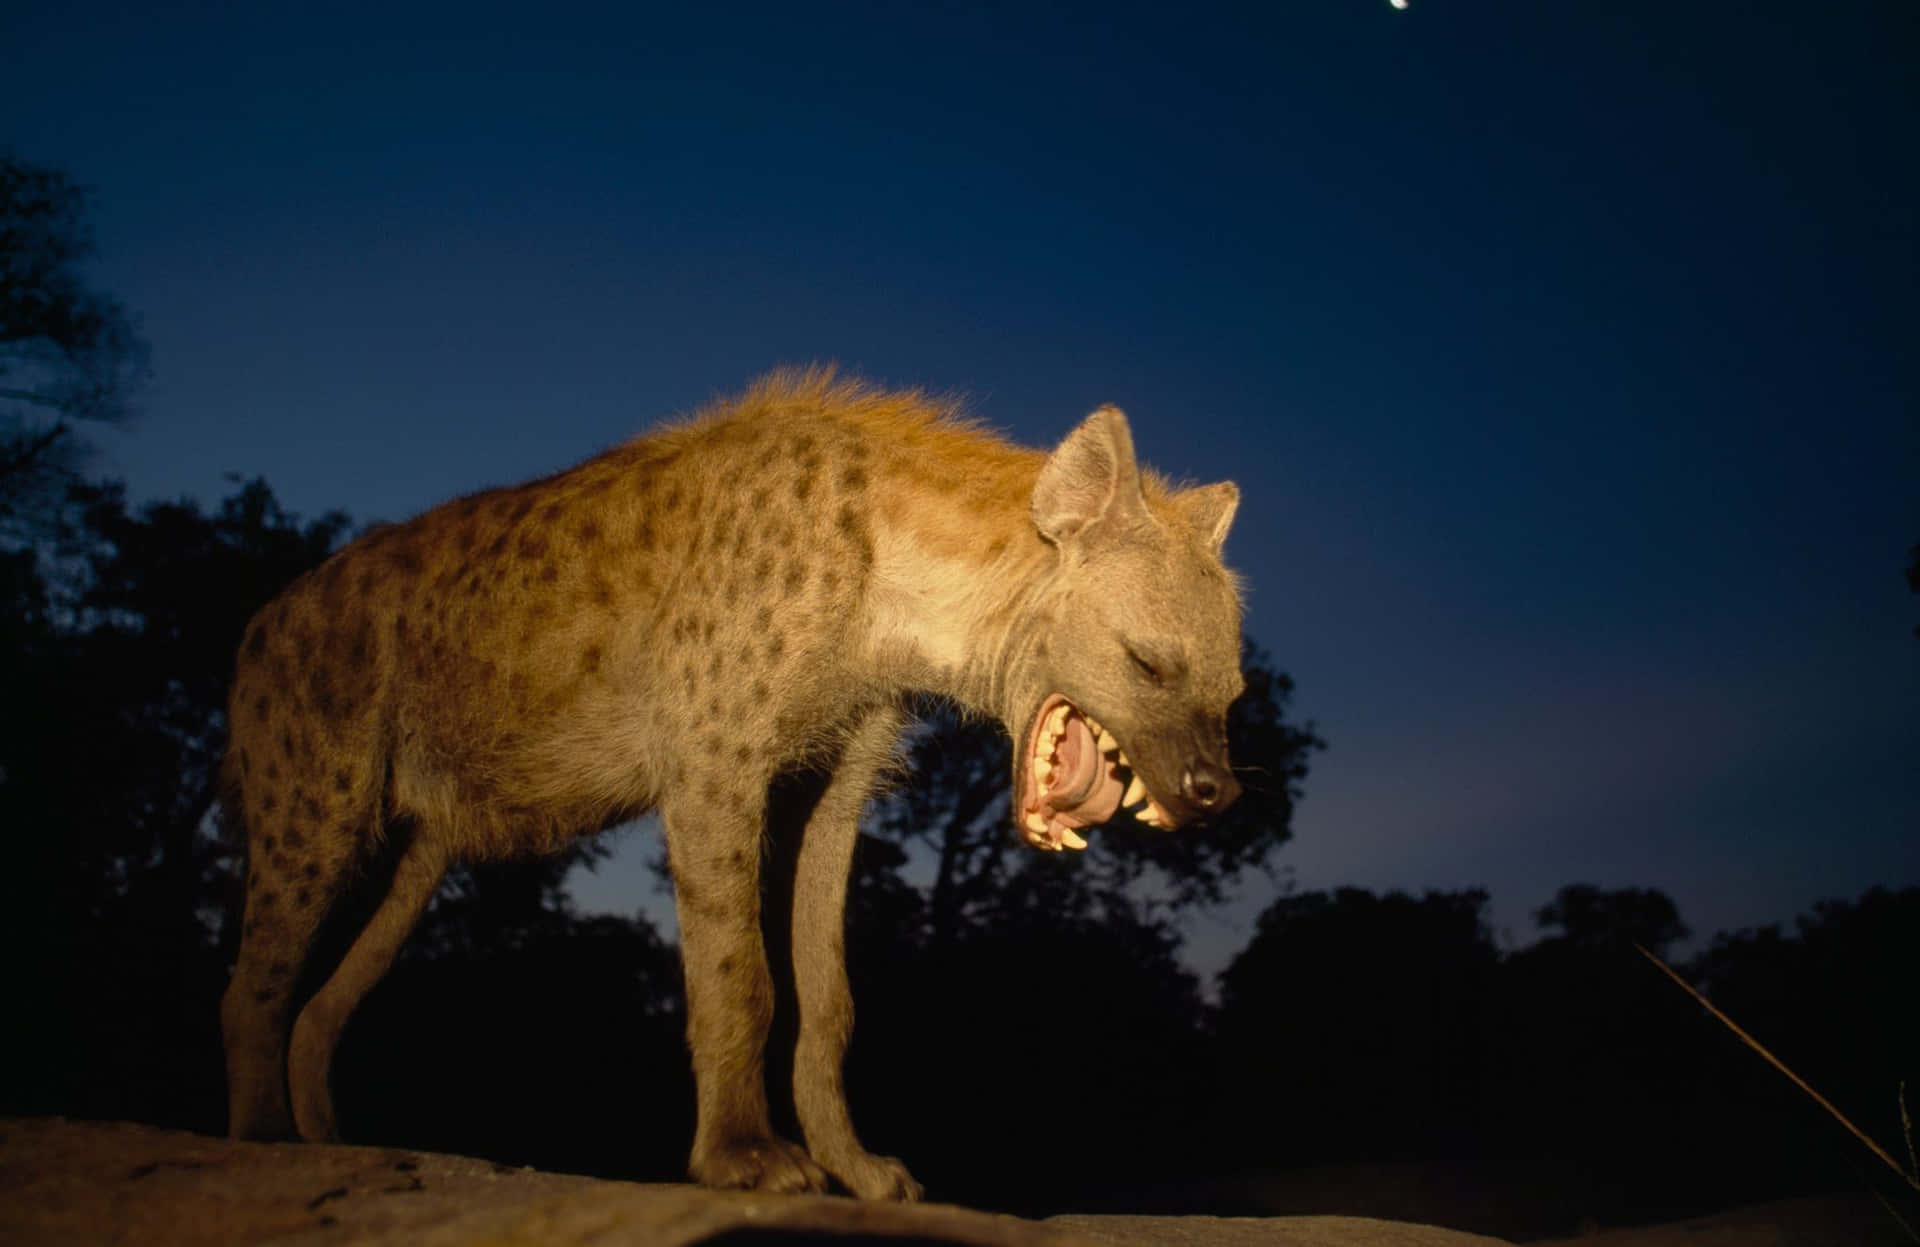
column 1075, row 774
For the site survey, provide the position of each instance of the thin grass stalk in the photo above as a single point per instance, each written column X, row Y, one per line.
column 1911, row 1179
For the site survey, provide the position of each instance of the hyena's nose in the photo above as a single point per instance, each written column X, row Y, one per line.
column 1211, row 788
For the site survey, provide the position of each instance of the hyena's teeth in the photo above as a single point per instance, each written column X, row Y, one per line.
column 1044, row 770
column 1136, row 793
column 1035, row 822
column 1107, row 742
column 1073, row 839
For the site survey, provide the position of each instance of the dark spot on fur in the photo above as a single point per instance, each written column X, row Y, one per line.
column 716, row 663
column 590, row 659
column 761, row 692
column 261, row 704
column 997, row 547
column 267, row 844
column 725, row 966
column 533, row 546
column 520, row 510
column 311, row 870
column 256, row 641
column 802, row 487
column 762, row 569
column 672, row 501
column 342, row 782
column 279, row 970
column 763, row 618
column 400, row 625
column 589, row 532
column 776, row 645
column 549, row 573
column 742, row 753
column 303, row 898
column 854, row 478
column 268, row 897
column 795, row 576
column 296, row 838
column 265, row 994
column 273, row 770
column 498, row 546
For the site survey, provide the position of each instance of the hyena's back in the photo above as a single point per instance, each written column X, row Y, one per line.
column 518, row 667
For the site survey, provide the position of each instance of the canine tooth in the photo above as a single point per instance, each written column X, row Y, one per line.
column 1135, row 791
column 1035, row 822
column 1073, row 839
column 1107, row 742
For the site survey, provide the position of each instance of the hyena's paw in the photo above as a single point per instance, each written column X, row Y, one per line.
column 765, row 1164
column 876, row 1177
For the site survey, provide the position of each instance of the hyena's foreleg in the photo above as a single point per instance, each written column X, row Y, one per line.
column 820, row 973
column 714, row 846
column 422, row 865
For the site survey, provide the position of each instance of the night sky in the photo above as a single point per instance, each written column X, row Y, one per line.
column 1564, row 352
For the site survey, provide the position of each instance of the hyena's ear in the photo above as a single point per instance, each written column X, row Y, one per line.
column 1209, row 508
column 1091, row 478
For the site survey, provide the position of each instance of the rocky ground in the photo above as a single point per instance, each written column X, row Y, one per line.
column 81, row 1183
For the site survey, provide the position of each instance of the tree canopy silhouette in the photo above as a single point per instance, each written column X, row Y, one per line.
column 68, row 352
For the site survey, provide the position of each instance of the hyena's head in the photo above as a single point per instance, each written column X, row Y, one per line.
column 1122, row 700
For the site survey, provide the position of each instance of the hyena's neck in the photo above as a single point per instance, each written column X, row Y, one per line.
column 955, row 575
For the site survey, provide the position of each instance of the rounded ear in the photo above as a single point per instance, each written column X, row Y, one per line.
column 1091, row 478
column 1209, row 508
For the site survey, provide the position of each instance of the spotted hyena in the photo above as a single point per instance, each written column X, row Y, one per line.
column 671, row 625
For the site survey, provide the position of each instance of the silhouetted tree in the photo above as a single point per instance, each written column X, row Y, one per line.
column 1913, row 576
column 1583, row 916
column 1835, row 1000
column 1353, row 1027
column 116, row 673
column 68, row 352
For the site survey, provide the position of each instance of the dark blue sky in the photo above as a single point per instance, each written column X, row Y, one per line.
column 1564, row 353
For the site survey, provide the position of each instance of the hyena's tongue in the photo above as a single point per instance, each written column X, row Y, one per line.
column 1069, row 782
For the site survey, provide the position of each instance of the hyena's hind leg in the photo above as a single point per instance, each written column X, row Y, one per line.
column 295, row 872
column 422, row 864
